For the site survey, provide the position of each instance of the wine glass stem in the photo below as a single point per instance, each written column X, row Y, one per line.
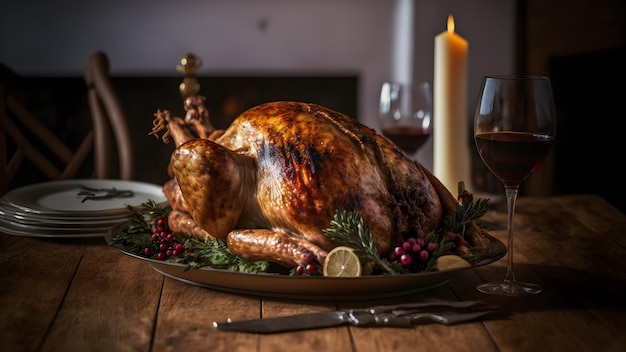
column 511, row 197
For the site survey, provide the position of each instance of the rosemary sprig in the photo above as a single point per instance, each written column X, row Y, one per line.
column 215, row 253
column 140, row 217
column 135, row 238
column 348, row 228
column 468, row 210
column 444, row 246
column 138, row 235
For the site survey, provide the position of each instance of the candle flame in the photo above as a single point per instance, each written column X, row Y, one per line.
column 450, row 24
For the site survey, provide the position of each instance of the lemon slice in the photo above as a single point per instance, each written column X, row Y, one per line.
column 451, row 261
column 342, row 262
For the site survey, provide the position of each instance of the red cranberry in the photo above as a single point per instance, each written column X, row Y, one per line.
column 310, row 269
column 405, row 259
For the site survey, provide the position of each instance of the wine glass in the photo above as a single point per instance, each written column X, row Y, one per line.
column 405, row 114
column 514, row 130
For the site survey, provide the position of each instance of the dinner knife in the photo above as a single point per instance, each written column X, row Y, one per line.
column 399, row 315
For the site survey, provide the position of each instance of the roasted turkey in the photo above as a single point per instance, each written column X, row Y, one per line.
column 274, row 179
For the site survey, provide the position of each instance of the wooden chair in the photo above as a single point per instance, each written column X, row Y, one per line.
column 107, row 114
column 32, row 140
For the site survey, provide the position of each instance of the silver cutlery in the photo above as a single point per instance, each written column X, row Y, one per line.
column 398, row 315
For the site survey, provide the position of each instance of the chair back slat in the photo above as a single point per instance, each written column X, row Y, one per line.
column 31, row 140
column 106, row 110
column 38, row 129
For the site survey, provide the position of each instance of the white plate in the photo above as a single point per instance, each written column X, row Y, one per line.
column 60, row 198
column 7, row 210
column 55, row 233
column 306, row 287
column 60, row 227
column 37, row 220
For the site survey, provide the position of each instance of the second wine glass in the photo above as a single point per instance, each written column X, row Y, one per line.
column 514, row 129
column 405, row 114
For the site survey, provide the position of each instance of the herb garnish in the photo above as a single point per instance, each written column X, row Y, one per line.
column 348, row 228
column 137, row 236
column 215, row 253
column 468, row 210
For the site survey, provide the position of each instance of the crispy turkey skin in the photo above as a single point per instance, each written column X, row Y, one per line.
column 274, row 179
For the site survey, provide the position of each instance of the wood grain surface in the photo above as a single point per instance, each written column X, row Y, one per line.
column 82, row 295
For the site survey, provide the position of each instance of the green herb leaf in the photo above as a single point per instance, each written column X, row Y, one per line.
column 137, row 236
column 469, row 210
column 444, row 246
column 348, row 229
column 217, row 255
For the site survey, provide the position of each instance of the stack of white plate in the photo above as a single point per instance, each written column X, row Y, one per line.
column 56, row 209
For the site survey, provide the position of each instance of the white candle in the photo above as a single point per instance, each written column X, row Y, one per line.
column 450, row 139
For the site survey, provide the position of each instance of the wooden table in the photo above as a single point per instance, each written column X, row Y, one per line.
column 82, row 295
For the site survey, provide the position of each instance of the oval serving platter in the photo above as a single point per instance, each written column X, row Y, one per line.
column 305, row 287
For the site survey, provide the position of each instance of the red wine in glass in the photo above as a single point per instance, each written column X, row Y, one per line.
column 513, row 156
column 514, row 129
column 408, row 138
column 405, row 114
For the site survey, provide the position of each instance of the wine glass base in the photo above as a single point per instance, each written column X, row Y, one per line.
column 510, row 288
